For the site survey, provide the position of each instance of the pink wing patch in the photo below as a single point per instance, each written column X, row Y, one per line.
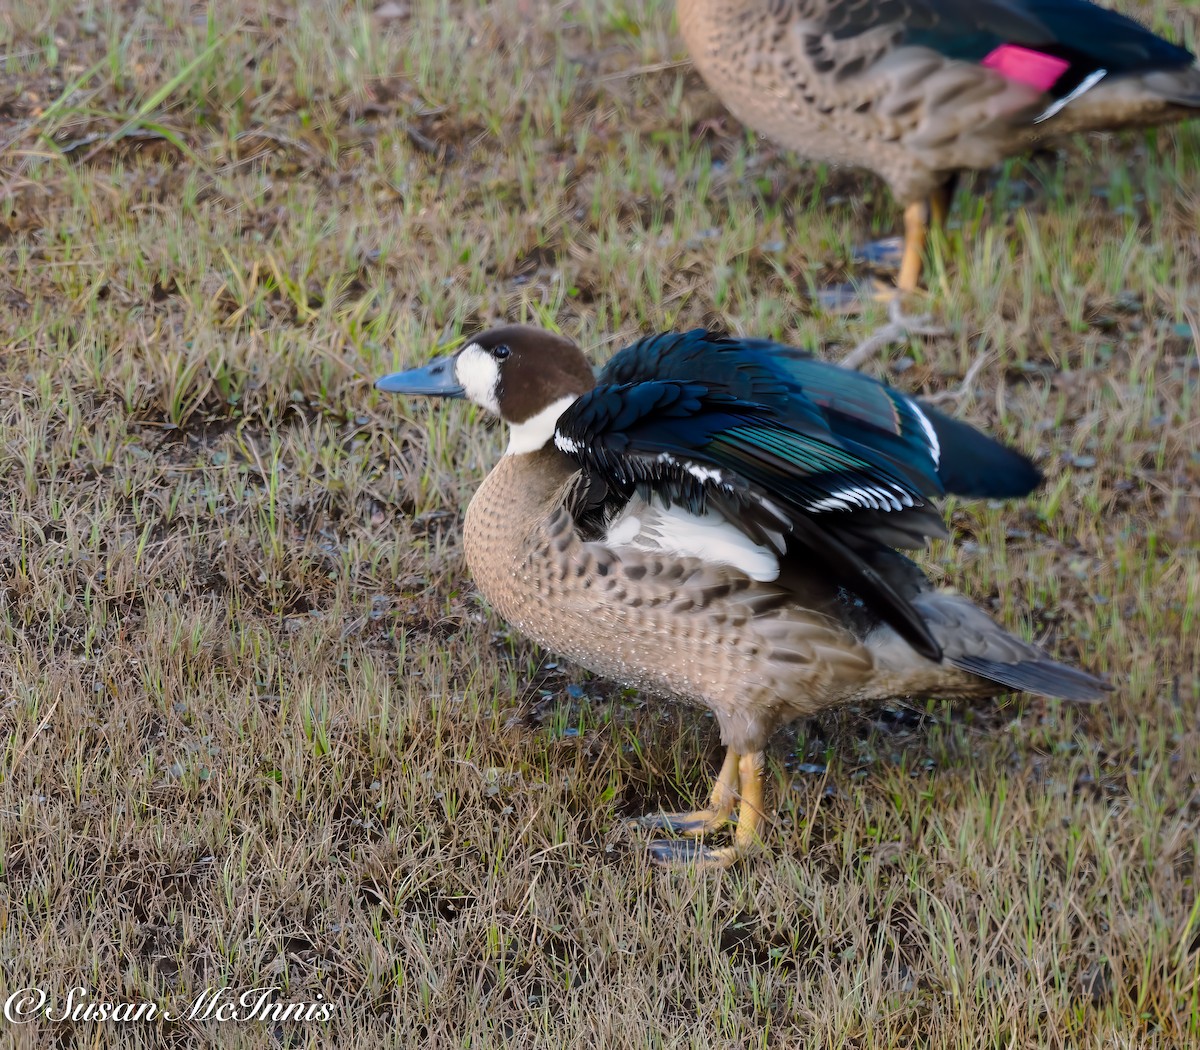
column 1025, row 66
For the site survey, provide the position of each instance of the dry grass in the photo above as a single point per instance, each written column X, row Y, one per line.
column 259, row 730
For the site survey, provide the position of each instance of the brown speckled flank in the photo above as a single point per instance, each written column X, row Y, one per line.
column 678, row 627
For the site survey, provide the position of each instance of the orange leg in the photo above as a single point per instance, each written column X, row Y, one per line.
column 919, row 219
column 916, row 230
column 747, row 837
column 720, row 806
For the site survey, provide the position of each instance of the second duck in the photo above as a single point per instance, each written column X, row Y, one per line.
column 918, row 90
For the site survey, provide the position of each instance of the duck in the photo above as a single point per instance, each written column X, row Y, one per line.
column 721, row 521
column 918, row 91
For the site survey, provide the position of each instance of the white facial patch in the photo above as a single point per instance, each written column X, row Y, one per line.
column 710, row 537
column 538, row 429
column 479, row 376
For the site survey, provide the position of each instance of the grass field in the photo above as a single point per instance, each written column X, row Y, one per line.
column 260, row 731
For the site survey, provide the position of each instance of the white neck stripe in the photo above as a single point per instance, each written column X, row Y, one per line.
column 538, row 429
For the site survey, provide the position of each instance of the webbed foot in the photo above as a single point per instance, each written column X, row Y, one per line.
column 738, row 770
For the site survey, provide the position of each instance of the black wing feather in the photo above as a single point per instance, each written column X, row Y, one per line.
column 1043, row 676
column 981, row 469
column 779, row 442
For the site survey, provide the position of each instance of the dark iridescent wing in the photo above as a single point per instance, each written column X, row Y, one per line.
column 687, row 446
column 895, row 434
column 780, row 444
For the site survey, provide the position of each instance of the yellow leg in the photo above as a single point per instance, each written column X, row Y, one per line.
column 919, row 219
column 725, row 789
column 701, row 821
column 752, row 813
column 916, row 230
column 748, row 835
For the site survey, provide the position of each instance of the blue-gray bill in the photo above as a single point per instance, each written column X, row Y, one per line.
column 436, row 379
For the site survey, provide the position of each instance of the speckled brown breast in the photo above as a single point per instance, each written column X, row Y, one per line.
column 754, row 653
column 673, row 627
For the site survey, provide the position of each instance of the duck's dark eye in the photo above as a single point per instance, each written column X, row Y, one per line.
column 500, row 352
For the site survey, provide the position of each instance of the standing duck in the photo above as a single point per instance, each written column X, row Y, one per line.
column 918, row 90
column 716, row 520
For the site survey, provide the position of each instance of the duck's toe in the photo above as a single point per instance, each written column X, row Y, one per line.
column 744, row 770
column 887, row 253
column 702, row 821
column 695, row 822
column 903, row 255
column 687, row 853
column 848, row 300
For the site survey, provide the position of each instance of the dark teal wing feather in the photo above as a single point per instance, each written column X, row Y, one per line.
column 781, row 443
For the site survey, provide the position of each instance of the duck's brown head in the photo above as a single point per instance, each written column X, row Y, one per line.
column 526, row 376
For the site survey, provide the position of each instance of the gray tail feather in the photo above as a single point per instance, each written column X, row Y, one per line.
column 1181, row 88
column 1044, row 677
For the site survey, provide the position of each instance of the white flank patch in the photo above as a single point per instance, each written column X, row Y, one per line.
column 931, row 438
column 479, row 375
column 623, row 532
column 538, row 429
column 1088, row 82
column 656, row 529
